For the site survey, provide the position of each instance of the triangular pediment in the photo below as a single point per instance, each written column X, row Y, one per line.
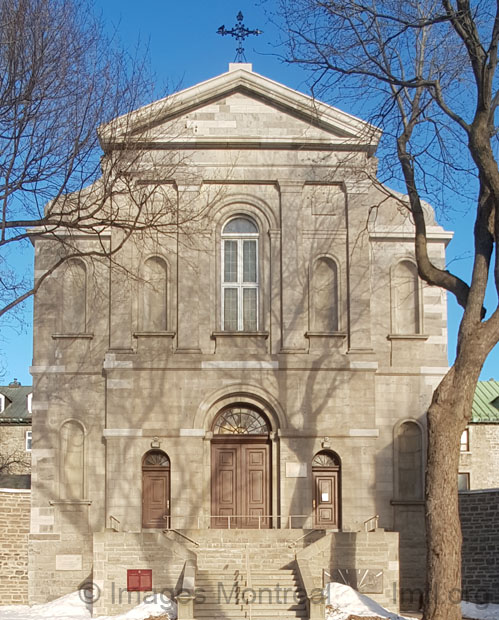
column 240, row 108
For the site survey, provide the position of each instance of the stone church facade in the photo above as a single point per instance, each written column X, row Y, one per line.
column 266, row 366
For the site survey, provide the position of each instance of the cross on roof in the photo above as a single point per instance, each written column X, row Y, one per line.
column 239, row 32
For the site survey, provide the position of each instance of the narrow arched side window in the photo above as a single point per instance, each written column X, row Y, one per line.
column 74, row 297
column 154, row 295
column 405, row 299
column 72, row 460
column 325, row 298
column 409, row 446
column 240, row 278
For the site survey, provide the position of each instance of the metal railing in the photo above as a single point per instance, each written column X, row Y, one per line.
column 238, row 521
column 114, row 523
column 191, row 540
column 371, row 524
column 292, row 543
column 249, row 585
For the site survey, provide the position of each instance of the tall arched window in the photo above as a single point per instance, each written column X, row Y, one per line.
column 409, row 446
column 74, row 297
column 240, row 280
column 154, row 300
column 405, row 296
column 72, row 460
column 325, row 296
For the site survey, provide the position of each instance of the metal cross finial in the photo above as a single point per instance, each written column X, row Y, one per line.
column 239, row 32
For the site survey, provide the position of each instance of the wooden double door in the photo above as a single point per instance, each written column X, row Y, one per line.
column 240, row 483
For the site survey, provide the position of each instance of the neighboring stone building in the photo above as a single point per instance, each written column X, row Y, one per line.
column 479, row 460
column 270, row 371
column 15, row 496
column 15, row 436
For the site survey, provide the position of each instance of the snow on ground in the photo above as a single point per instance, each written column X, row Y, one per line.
column 487, row 611
column 343, row 601
column 72, row 607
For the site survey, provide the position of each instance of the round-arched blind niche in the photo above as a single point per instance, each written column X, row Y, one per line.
column 240, row 420
column 155, row 458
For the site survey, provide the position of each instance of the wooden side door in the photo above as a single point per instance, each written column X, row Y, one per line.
column 224, row 484
column 326, row 495
column 155, row 498
column 256, row 485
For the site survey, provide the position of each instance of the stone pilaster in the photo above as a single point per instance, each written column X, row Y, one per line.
column 293, row 274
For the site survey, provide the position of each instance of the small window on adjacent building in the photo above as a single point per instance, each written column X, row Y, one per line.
column 29, row 401
column 2, row 403
column 240, row 280
column 465, row 440
column 463, row 481
column 28, row 441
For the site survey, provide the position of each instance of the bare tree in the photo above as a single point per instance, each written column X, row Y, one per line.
column 14, row 462
column 61, row 78
column 429, row 67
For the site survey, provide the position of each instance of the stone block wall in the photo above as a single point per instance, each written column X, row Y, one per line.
column 479, row 512
column 361, row 557
column 482, row 461
column 14, row 530
column 117, row 552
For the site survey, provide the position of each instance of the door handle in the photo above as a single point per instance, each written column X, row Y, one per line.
column 314, row 504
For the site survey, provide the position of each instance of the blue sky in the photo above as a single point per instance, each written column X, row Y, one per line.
column 185, row 49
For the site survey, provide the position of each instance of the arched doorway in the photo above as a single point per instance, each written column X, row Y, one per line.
column 326, row 469
column 240, row 469
column 155, row 490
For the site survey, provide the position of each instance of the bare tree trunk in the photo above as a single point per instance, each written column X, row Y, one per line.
column 447, row 418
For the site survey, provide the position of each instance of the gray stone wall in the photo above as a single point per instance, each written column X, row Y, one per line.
column 482, row 460
column 116, row 552
column 357, row 558
column 479, row 512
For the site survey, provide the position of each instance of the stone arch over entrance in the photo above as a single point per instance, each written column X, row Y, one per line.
column 155, row 490
column 241, row 468
column 326, row 473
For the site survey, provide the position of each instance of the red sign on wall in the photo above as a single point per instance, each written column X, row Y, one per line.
column 139, row 580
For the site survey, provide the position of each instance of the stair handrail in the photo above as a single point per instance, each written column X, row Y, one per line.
column 191, row 540
column 371, row 524
column 249, row 586
column 112, row 521
column 292, row 543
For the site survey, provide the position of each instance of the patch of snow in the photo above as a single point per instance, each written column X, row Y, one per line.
column 73, row 607
column 343, row 601
column 485, row 611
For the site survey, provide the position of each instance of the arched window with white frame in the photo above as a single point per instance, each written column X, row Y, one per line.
column 239, row 277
